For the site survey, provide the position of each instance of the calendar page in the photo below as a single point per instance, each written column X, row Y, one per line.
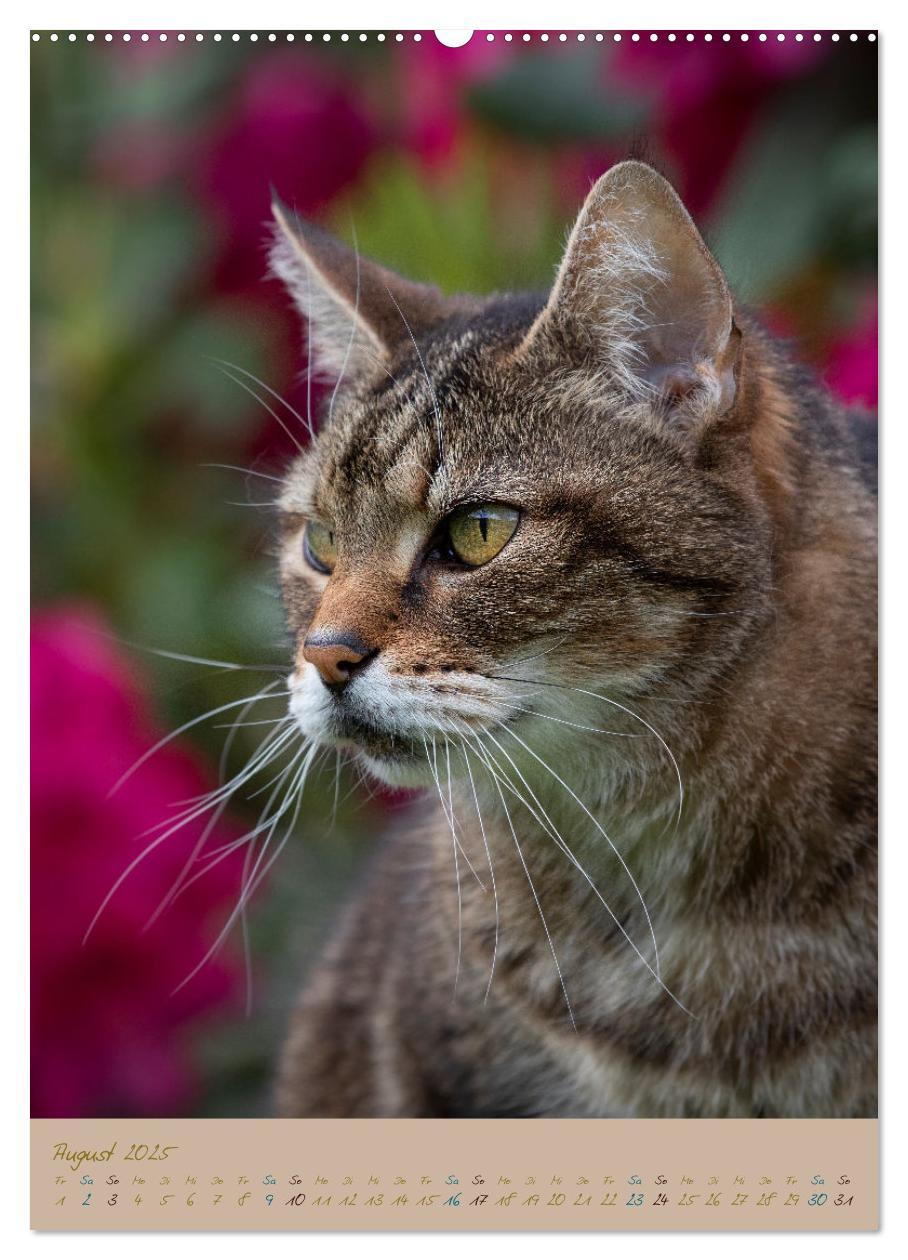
column 454, row 635
column 783, row 1175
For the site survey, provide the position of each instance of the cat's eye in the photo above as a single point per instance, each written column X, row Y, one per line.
column 320, row 547
column 477, row 533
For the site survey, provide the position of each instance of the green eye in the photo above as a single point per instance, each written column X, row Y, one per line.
column 319, row 547
column 477, row 534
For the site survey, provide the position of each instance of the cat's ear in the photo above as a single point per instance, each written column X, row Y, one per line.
column 357, row 311
column 639, row 290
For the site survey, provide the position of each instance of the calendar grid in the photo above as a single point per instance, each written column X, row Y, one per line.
column 307, row 1175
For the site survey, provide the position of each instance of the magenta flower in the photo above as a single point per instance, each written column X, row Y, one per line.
column 709, row 90
column 107, row 1036
column 293, row 126
column 433, row 85
column 852, row 369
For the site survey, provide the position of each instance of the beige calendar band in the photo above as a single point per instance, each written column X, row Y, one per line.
column 454, row 1174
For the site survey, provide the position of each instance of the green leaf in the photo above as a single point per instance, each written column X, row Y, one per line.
column 456, row 233
column 187, row 376
column 793, row 192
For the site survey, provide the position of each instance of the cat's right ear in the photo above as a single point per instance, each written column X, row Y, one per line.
column 357, row 311
column 639, row 294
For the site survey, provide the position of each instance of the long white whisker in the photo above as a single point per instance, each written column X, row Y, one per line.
column 597, row 695
column 200, row 804
column 577, row 726
column 457, row 830
column 150, row 848
column 549, row 827
column 485, row 842
column 252, row 472
column 526, row 871
column 212, row 822
column 334, row 803
column 433, row 767
column 457, row 869
column 224, row 708
column 205, row 660
column 266, row 821
column 258, row 398
column 655, row 973
column 273, row 392
column 235, row 726
column 517, row 660
column 541, row 817
column 451, row 821
column 263, row 503
column 245, row 883
column 264, row 667
column 595, row 823
column 256, row 877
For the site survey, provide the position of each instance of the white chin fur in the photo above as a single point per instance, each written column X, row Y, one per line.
column 398, row 774
column 403, row 707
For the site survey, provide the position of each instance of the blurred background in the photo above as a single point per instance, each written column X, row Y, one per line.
column 151, row 167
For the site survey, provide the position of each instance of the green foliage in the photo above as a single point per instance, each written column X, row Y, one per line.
column 557, row 96
column 451, row 234
column 789, row 204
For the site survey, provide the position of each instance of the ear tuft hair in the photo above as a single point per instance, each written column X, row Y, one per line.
column 311, row 266
column 641, row 294
column 357, row 311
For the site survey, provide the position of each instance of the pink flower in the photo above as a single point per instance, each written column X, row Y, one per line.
column 705, row 97
column 299, row 128
column 434, row 81
column 107, row 1036
column 853, row 363
column 293, row 127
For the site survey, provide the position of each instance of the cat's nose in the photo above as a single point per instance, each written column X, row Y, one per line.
column 336, row 657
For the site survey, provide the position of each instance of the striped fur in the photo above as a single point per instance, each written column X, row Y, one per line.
column 695, row 558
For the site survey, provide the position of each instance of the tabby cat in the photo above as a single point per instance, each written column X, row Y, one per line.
column 597, row 569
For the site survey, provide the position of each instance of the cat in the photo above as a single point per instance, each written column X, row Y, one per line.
column 597, row 568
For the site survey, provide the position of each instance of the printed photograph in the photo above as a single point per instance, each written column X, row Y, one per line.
column 454, row 632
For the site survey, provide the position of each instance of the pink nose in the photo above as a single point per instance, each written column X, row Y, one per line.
column 335, row 661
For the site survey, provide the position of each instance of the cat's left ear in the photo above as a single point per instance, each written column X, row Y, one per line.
column 638, row 290
column 357, row 311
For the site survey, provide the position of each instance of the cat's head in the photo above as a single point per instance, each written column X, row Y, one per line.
column 516, row 504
